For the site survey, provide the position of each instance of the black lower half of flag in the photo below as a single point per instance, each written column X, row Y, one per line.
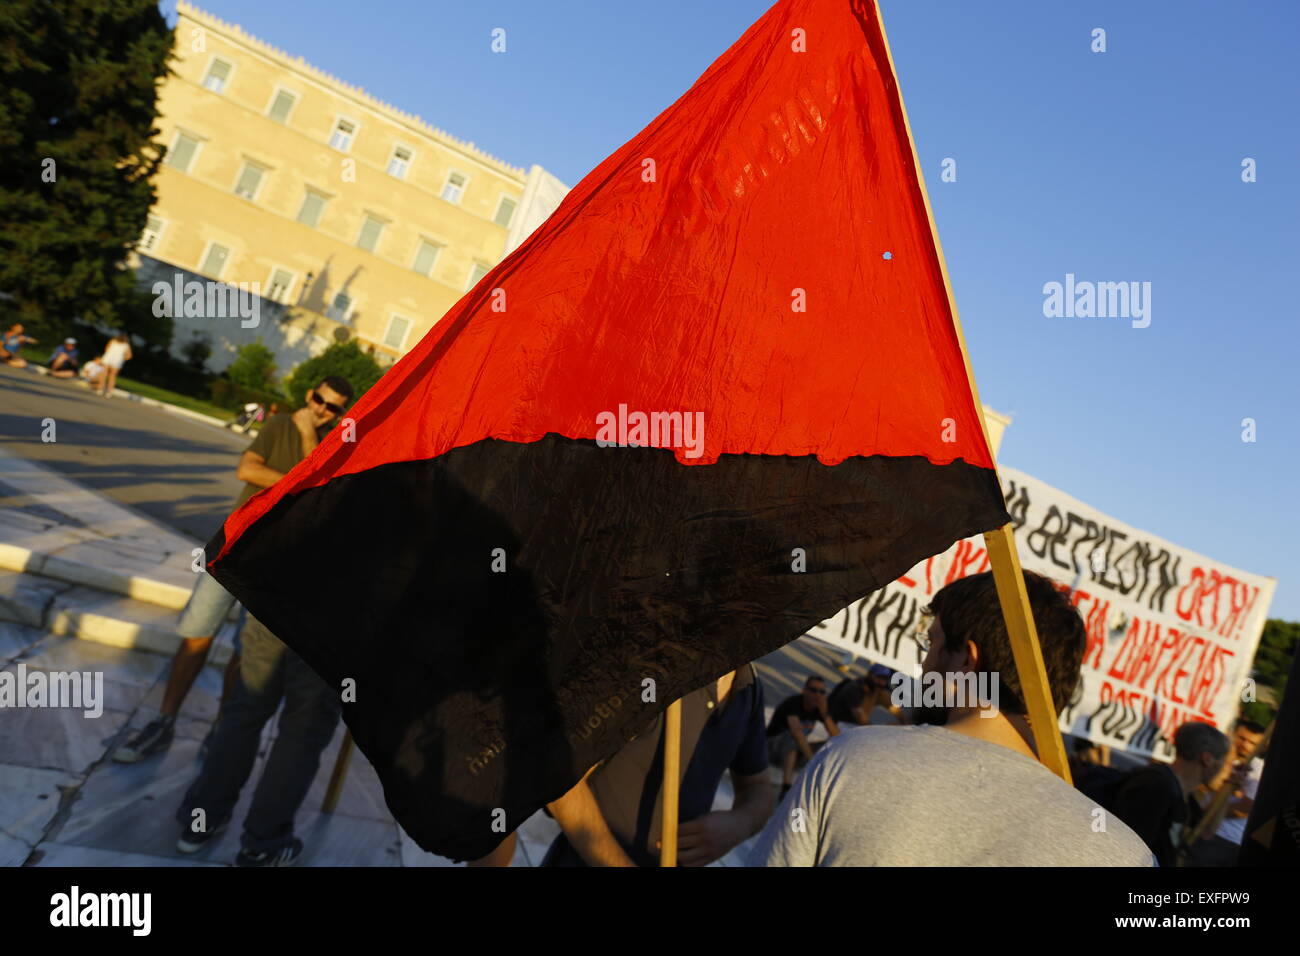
column 510, row 614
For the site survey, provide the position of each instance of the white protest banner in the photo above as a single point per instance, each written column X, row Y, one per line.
column 1171, row 634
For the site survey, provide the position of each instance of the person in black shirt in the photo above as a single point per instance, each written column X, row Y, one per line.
column 791, row 723
column 864, row 700
column 1154, row 801
column 851, row 701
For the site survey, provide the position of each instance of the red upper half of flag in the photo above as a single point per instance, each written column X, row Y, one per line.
column 760, row 253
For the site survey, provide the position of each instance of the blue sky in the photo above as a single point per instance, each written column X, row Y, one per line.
column 1115, row 166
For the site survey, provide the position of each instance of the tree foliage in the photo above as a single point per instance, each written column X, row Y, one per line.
column 253, row 367
column 345, row 359
column 78, row 102
column 1272, row 665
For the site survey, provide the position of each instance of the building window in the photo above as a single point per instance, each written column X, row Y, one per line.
column 341, row 308
column 476, row 273
column 182, row 152
column 426, row 256
column 250, row 181
column 370, row 232
column 214, row 263
column 395, row 337
column 281, row 283
column 341, row 138
column 400, row 162
column 153, row 228
column 505, row 212
column 313, row 204
column 454, row 187
column 218, row 73
column 282, row 106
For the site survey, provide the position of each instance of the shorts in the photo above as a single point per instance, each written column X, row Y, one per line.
column 115, row 366
column 206, row 610
column 782, row 744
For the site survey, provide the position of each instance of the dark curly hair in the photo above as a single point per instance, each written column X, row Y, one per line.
column 968, row 610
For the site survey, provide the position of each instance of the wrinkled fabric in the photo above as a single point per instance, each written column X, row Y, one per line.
column 781, row 181
column 514, row 597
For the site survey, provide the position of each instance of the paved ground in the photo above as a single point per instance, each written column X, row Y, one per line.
column 176, row 470
column 62, row 800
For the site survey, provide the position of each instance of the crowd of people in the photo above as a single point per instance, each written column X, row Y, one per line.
column 99, row 374
column 1171, row 805
column 864, row 781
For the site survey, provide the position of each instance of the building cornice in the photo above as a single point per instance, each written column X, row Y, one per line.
column 236, row 34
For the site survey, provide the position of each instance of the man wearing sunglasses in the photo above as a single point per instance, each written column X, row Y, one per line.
column 286, row 440
column 268, row 672
column 281, row 443
column 792, row 722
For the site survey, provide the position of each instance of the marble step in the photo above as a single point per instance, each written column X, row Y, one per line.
column 97, row 574
column 56, row 528
column 92, row 614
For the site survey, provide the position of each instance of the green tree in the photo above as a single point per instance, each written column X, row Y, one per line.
column 344, row 359
column 1272, row 664
column 78, row 102
column 254, row 367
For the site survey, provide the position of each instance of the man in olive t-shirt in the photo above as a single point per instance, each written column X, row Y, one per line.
column 268, row 672
column 283, row 442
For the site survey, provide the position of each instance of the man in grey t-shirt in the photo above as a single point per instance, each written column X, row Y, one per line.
column 929, row 796
column 965, row 790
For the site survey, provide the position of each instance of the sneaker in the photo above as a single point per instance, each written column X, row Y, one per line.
column 155, row 738
column 287, row 855
column 192, row 841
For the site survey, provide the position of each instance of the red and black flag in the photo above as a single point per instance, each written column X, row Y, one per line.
column 716, row 397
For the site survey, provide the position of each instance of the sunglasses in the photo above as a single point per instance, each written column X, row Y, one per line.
column 329, row 406
column 815, row 690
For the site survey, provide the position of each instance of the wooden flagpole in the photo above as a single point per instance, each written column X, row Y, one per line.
column 1001, row 545
column 672, row 781
column 1007, row 574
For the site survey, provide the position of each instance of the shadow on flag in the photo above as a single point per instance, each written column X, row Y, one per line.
column 517, row 588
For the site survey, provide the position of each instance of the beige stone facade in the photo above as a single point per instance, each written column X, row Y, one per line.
column 353, row 218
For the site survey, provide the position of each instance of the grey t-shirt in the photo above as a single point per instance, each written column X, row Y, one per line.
column 926, row 796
